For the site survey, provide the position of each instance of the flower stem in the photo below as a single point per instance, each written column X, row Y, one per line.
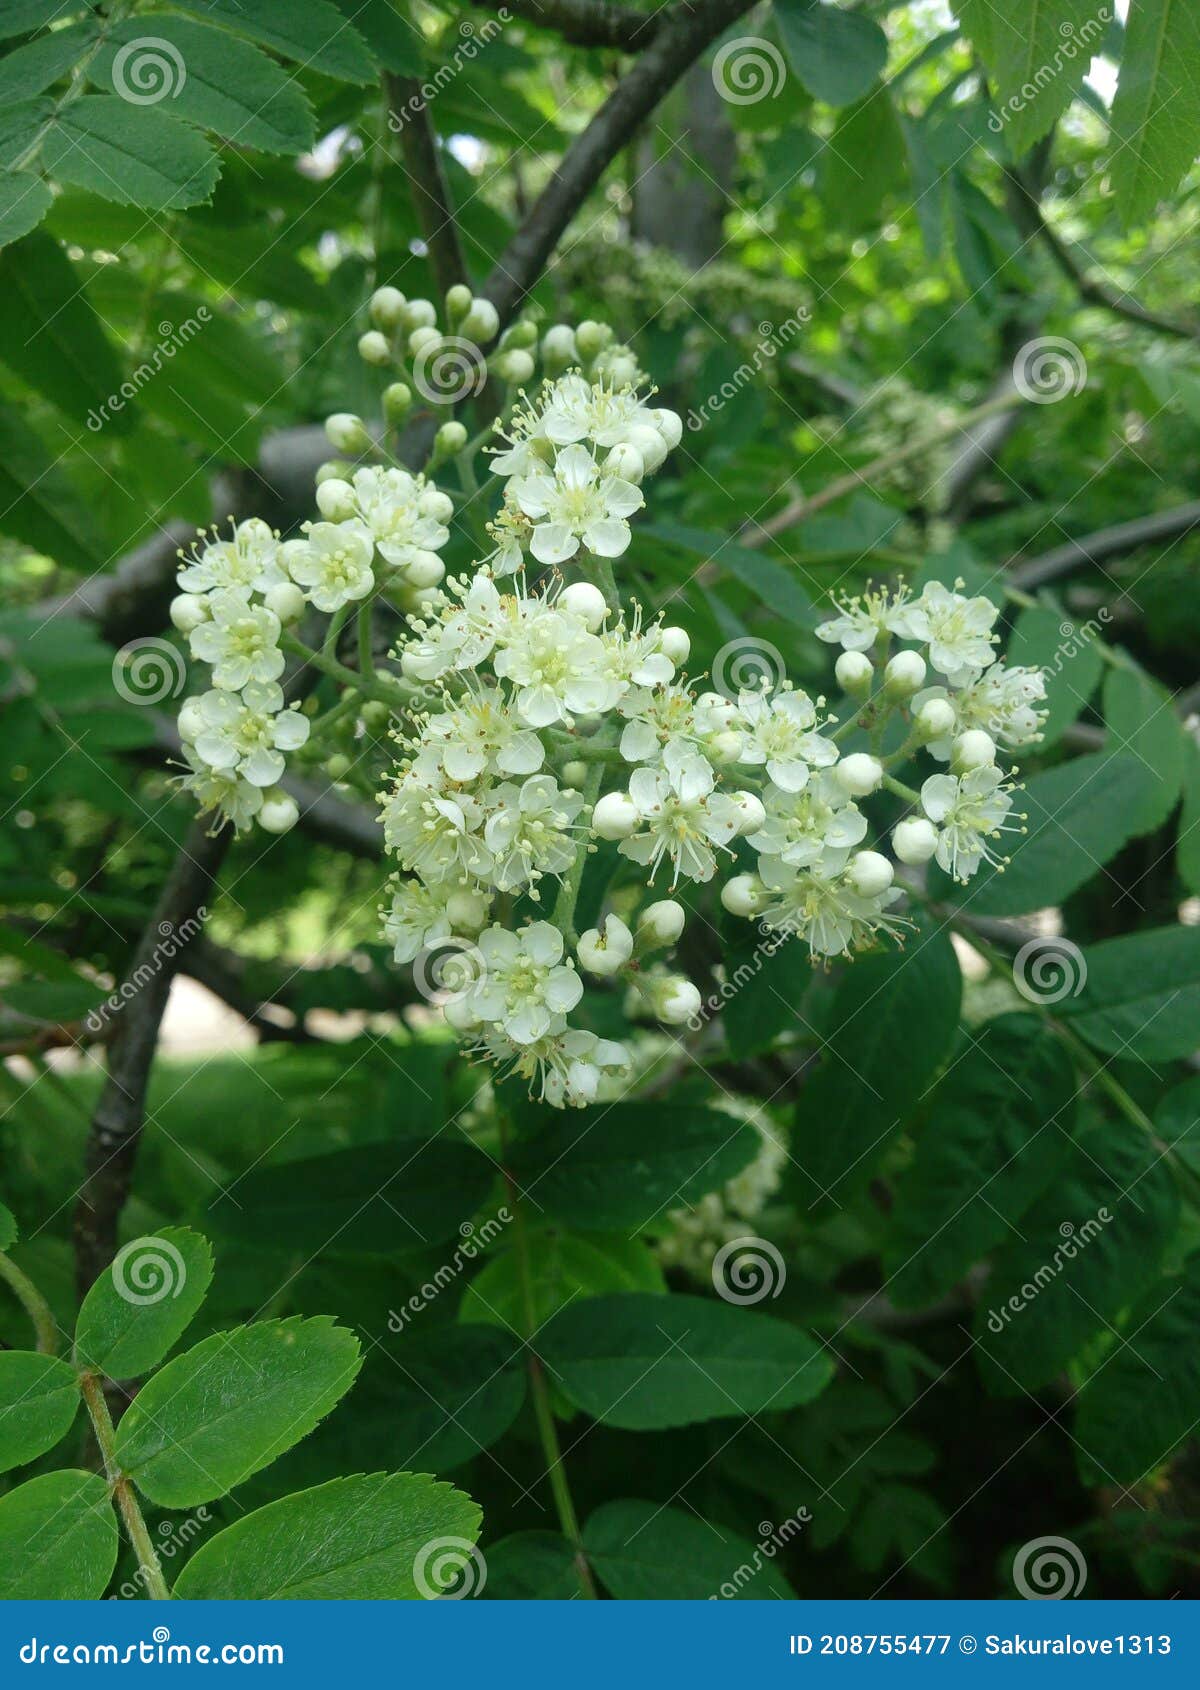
column 387, row 692
column 35, row 1305
column 568, row 892
column 891, row 784
column 123, row 1494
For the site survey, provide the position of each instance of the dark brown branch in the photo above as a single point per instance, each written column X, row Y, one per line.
column 117, row 1123
column 585, row 23
column 684, row 34
column 408, row 116
column 1122, row 538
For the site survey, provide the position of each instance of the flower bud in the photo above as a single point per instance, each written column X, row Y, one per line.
column 190, row 720
column 650, row 444
column 347, row 433
column 675, row 1000
column 449, row 439
column 436, row 504
column 459, row 1014
column 670, row 425
column 424, row 569
column 373, row 348
column 904, row 675
column 375, row 715
column 574, row 773
column 676, row 644
column 482, row 321
column 333, row 469
column 385, row 307
column 424, row 338
column 660, row 923
column 615, row 816
column 914, row 840
column 522, row 333
column 559, row 349
column 286, row 600
column 743, row 895
column 585, row 600
column 514, row 366
column 466, row 911
column 591, row 338
column 335, row 500
column 397, row 401
column 972, row 750
column 854, row 673
column 279, row 812
column 724, row 747
column 870, row 873
column 935, row 719
column 751, row 814
column 608, row 952
column 458, row 302
column 187, row 611
column 627, row 462
column 337, row 767
column 859, row 774
column 419, row 314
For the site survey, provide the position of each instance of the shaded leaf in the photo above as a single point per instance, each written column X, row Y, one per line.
column 39, row 1396
column 644, row 1552
column 136, row 155
column 1140, row 994
column 58, row 1539
column 142, row 1302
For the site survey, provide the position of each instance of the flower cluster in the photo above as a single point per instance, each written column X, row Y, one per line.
column 697, row 1233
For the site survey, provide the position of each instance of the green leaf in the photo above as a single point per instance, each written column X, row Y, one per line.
column 772, row 583
column 865, row 162
column 312, row 32
column 622, row 1165
column 232, row 1404
column 1038, row 55
column 1156, row 112
column 1140, row 994
column 39, row 63
column 767, row 980
column 437, row 1399
column 1088, row 1249
column 647, row 1362
column 136, row 155
column 905, row 1527
column 1140, row 1403
column 39, row 505
column 24, row 201
column 38, row 1399
column 374, row 1537
column 1079, row 816
column 1067, row 653
column 890, row 1025
column 225, row 85
column 1142, row 719
column 371, row 1200
column 837, row 55
column 141, row 1304
column 49, row 333
column 531, row 1566
column 388, row 33
column 58, row 1539
column 1177, row 1119
column 1187, row 854
column 644, row 1552
column 19, row 127
column 998, row 1129
column 565, row 1267
column 9, row 1231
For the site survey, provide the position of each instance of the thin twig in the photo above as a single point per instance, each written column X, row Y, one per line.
column 585, row 23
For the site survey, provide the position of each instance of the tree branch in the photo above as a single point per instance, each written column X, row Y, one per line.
column 683, row 35
column 409, row 118
column 1106, row 543
column 585, row 23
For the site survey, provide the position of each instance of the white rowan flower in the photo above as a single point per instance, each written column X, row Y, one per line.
column 968, row 813
column 481, row 734
column 416, row 918
column 557, row 668
column 435, row 833
column 862, row 618
column 823, row 906
column 564, row 1068
column 524, row 984
column 250, row 560
column 222, row 790
column 670, row 715
column 605, row 952
column 958, row 630
column 529, row 830
column 396, row 507
column 780, row 732
column 240, row 640
column 1001, row 701
column 802, row 827
column 635, row 654
column 246, row 733
column 576, row 502
column 333, row 562
column 680, row 817
column 462, row 635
